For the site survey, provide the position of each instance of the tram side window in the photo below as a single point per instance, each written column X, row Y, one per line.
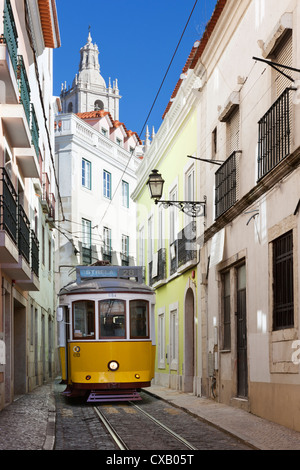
column 112, row 318
column 84, row 319
column 139, row 319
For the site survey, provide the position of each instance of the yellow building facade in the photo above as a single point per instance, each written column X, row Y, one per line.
column 167, row 247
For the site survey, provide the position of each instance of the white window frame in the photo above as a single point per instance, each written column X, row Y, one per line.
column 173, row 211
column 86, row 233
column 107, row 188
column 189, row 188
column 86, row 174
column 161, row 342
column 161, row 228
column 125, row 245
column 150, row 238
column 107, row 241
column 142, row 246
column 125, row 194
column 173, row 336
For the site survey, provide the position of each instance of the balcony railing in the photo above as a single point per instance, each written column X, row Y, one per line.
column 86, row 255
column 45, row 193
column 158, row 273
column 8, row 206
column 34, row 253
column 14, row 221
column 226, row 185
column 274, row 134
column 52, row 207
column 107, row 255
column 124, row 259
column 34, row 130
column 187, row 244
column 10, row 34
column 24, row 87
column 24, row 234
column 173, row 256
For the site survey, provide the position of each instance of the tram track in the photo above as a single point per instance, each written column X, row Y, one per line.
column 120, row 442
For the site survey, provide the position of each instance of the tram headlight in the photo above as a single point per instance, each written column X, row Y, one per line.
column 113, row 365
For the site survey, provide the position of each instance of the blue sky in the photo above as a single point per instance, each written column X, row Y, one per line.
column 136, row 41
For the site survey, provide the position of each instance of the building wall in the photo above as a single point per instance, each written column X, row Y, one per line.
column 27, row 295
column 77, row 140
column 174, row 282
column 264, row 210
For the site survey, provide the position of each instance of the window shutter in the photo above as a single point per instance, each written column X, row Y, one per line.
column 284, row 56
column 233, row 141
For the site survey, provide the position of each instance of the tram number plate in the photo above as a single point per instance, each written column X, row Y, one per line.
column 129, row 273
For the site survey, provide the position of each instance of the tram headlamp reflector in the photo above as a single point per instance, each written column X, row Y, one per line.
column 113, row 365
column 137, row 376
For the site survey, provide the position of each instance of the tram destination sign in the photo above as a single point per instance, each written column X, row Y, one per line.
column 98, row 272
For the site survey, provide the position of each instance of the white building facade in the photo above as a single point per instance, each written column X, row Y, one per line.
column 97, row 158
column 29, row 32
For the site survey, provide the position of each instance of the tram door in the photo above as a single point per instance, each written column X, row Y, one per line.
column 242, row 368
column 63, row 319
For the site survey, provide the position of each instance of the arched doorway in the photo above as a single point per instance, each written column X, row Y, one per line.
column 189, row 335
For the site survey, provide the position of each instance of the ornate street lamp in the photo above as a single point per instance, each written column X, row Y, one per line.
column 192, row 208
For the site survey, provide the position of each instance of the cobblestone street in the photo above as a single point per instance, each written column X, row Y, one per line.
column 44, row 420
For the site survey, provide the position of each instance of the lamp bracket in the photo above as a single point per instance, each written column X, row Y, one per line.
column 191, row 208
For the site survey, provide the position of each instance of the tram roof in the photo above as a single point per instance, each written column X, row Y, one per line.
column 105, row 285
column 107, row 279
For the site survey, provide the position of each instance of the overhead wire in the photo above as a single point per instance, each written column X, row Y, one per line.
column 153, row 104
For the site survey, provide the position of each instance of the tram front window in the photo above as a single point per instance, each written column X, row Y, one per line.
column 139, row 319
column 112, row 318
column 84, row 319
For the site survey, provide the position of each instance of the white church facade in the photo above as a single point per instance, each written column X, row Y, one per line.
column 97, row 159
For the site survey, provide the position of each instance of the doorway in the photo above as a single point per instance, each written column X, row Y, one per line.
column 189, row 369
column 19, row 348
column 242, row 367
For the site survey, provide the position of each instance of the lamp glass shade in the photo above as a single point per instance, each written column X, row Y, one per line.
column 155, row 184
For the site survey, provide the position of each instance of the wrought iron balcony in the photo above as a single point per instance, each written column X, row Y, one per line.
column 158, row 272
column 51, row 214
column 183, row 249
column 8, row 206
column 86, row 255
column 24, row 234
column 226, row 185
column 10, row 34
column 34, row 130
column 124, row 259
column 45, row 200
column 24, row 87
column 107, row 255
column 34, row 254
column 274, row 134
column 187, row 244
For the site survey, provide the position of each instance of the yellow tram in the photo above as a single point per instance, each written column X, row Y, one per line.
column 106, row 333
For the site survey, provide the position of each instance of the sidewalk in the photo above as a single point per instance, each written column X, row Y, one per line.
column 258, row 432
column 29, row 422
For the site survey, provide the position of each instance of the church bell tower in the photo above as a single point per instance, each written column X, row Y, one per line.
column 89, row 91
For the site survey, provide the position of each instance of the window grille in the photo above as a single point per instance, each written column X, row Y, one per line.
column 226, row 185
column 274, row 134
column 283, row 286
